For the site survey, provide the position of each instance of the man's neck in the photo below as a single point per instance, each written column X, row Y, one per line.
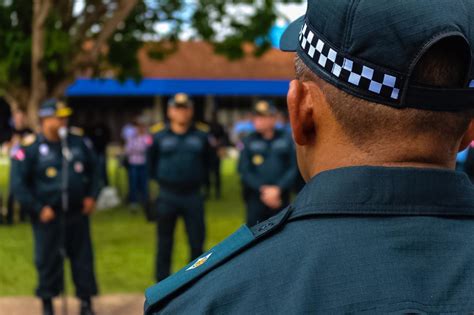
column 179, row 129
column 51, row 136
column 339, row 155
column 268, row 134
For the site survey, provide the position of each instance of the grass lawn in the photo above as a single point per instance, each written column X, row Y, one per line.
column 124, row 243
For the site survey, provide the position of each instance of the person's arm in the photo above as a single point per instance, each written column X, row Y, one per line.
column 21, row 167
column 130, row 147
column 249, row 179
column 91, row 170
column 152, row 159
column 208, row 155
column 288, row 179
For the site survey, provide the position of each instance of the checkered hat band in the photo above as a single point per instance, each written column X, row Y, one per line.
column 347, row 70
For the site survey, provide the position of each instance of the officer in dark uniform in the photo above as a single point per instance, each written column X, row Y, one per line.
column 385, row 224
column 267, row 166
column 179, row 161
column 37, row 183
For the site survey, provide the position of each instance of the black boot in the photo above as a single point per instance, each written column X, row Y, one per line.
column 48, row 307
column 86, row 307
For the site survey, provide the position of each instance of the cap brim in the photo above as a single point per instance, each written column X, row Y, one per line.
column 289, row 40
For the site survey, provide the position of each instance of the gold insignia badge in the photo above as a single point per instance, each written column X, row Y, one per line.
column 200, row 262
column 51, row 172
column 262, row 107
column 157, row 127
column 258, row 159
column 76, row 131
column 203, row 127
column 181, row 98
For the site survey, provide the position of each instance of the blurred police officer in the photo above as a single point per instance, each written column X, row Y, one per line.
column 179, row 161
column 267, row 166
column 384, row 224
column 37, row 183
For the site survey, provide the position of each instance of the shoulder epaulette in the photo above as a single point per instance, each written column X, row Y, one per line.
column 162, row 292
column 157, row 127
column 202, row 126
column 28, row 140
column 76, row 131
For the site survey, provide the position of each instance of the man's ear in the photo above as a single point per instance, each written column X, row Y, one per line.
column 300, row 109
column 468, row 137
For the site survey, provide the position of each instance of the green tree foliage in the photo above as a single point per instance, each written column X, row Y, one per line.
column 103, row 37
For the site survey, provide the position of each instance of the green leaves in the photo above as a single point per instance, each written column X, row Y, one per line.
column 229, row 24
column 71, row 32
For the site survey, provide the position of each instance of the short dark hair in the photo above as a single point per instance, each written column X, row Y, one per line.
column 444, row 65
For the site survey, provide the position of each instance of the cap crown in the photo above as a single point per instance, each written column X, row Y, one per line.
column 370, row 48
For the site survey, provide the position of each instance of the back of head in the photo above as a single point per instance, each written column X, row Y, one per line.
column 374, row 127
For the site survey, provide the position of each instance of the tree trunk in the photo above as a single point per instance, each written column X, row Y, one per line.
column 17, row 98
column 41, row 10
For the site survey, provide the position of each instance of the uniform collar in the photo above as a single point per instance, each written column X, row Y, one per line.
column 386, row 191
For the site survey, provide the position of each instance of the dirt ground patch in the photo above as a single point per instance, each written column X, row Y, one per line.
column 117, row 304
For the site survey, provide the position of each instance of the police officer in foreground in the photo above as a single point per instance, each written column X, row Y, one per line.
column 179, row 161
column 37, row 183
column 267, row 166
column 384, row 224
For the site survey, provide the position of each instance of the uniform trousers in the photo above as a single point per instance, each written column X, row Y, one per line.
column 70, row 232
column 170, row 206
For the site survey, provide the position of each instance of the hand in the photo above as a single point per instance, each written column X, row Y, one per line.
column 47, row 214
column 271, row 196
column 88, row 206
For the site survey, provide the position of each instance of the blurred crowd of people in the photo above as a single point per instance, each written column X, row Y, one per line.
column 137, row 137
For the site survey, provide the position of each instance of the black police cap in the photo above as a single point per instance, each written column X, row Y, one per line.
column 370, row 48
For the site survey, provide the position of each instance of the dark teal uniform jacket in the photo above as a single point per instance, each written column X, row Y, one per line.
column 363, row 240
column 268, row 162
column 37, row 174
column 180, row 162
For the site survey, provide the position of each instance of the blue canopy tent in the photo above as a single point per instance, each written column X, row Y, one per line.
column 165, row 87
